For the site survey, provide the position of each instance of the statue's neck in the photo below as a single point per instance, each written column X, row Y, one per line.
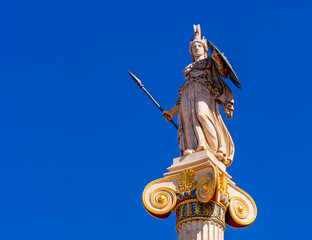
column 199, row 58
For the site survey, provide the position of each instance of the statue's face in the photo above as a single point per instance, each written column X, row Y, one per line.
column 198, row 49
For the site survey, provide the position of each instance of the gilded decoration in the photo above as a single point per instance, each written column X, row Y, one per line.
column 161, row 201
column 193, row 209
column 242, row 208
column 186, row 195
column 223, row 184
column 206, row 209
column 207, row 185
column 186, row 181
column 239, row 208
column 197, row 208
column 160, row 198
column 223, row 194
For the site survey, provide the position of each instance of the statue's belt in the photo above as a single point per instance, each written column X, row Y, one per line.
column 214, row 90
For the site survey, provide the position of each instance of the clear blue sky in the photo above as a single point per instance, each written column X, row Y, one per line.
column 79, row 141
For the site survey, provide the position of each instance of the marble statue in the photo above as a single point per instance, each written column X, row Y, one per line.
column 197, row 186
column 200, row 124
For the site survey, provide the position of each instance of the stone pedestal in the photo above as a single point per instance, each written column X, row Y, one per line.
column 202, row 195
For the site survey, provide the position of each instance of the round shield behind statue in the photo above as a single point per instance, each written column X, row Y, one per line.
column 226, row 62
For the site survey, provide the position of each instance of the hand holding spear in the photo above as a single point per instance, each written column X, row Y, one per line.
column 164, row 114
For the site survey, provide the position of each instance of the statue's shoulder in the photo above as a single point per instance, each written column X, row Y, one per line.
column 201, row 64
column 188, row 69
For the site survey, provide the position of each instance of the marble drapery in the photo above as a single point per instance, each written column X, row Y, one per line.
column 200, row 124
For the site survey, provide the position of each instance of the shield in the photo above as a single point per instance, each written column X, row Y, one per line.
column 226, row 62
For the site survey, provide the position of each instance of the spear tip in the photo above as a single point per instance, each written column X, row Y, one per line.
column 135, row 79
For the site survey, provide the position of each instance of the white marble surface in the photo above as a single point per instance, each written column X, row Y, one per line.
column 200, row 124
column 195, row 160
column 200, row 230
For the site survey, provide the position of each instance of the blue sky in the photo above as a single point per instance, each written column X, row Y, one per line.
column 79, row 141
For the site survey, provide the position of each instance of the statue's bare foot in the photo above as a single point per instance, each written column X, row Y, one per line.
column 188, row 151
column 200, row 148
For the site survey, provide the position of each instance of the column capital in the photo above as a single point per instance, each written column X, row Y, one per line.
column 193, row 185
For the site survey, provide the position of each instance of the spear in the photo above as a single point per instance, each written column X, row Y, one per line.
column 138, row 82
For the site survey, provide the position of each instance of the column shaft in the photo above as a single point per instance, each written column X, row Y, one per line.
column 200, row 230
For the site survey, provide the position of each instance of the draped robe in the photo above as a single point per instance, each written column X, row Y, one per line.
column 200, row 124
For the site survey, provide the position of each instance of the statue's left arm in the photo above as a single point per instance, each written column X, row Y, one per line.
column 223, row 70
column 226, row 99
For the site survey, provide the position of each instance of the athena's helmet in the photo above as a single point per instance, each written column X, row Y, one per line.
column 203, row 41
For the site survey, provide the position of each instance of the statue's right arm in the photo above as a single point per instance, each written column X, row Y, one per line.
column 168, row 114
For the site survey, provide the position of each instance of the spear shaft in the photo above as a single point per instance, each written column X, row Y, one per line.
column 139, row 83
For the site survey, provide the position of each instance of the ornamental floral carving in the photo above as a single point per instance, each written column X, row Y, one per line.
column 186, row 181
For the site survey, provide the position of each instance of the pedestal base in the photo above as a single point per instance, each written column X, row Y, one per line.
column 194, row 161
